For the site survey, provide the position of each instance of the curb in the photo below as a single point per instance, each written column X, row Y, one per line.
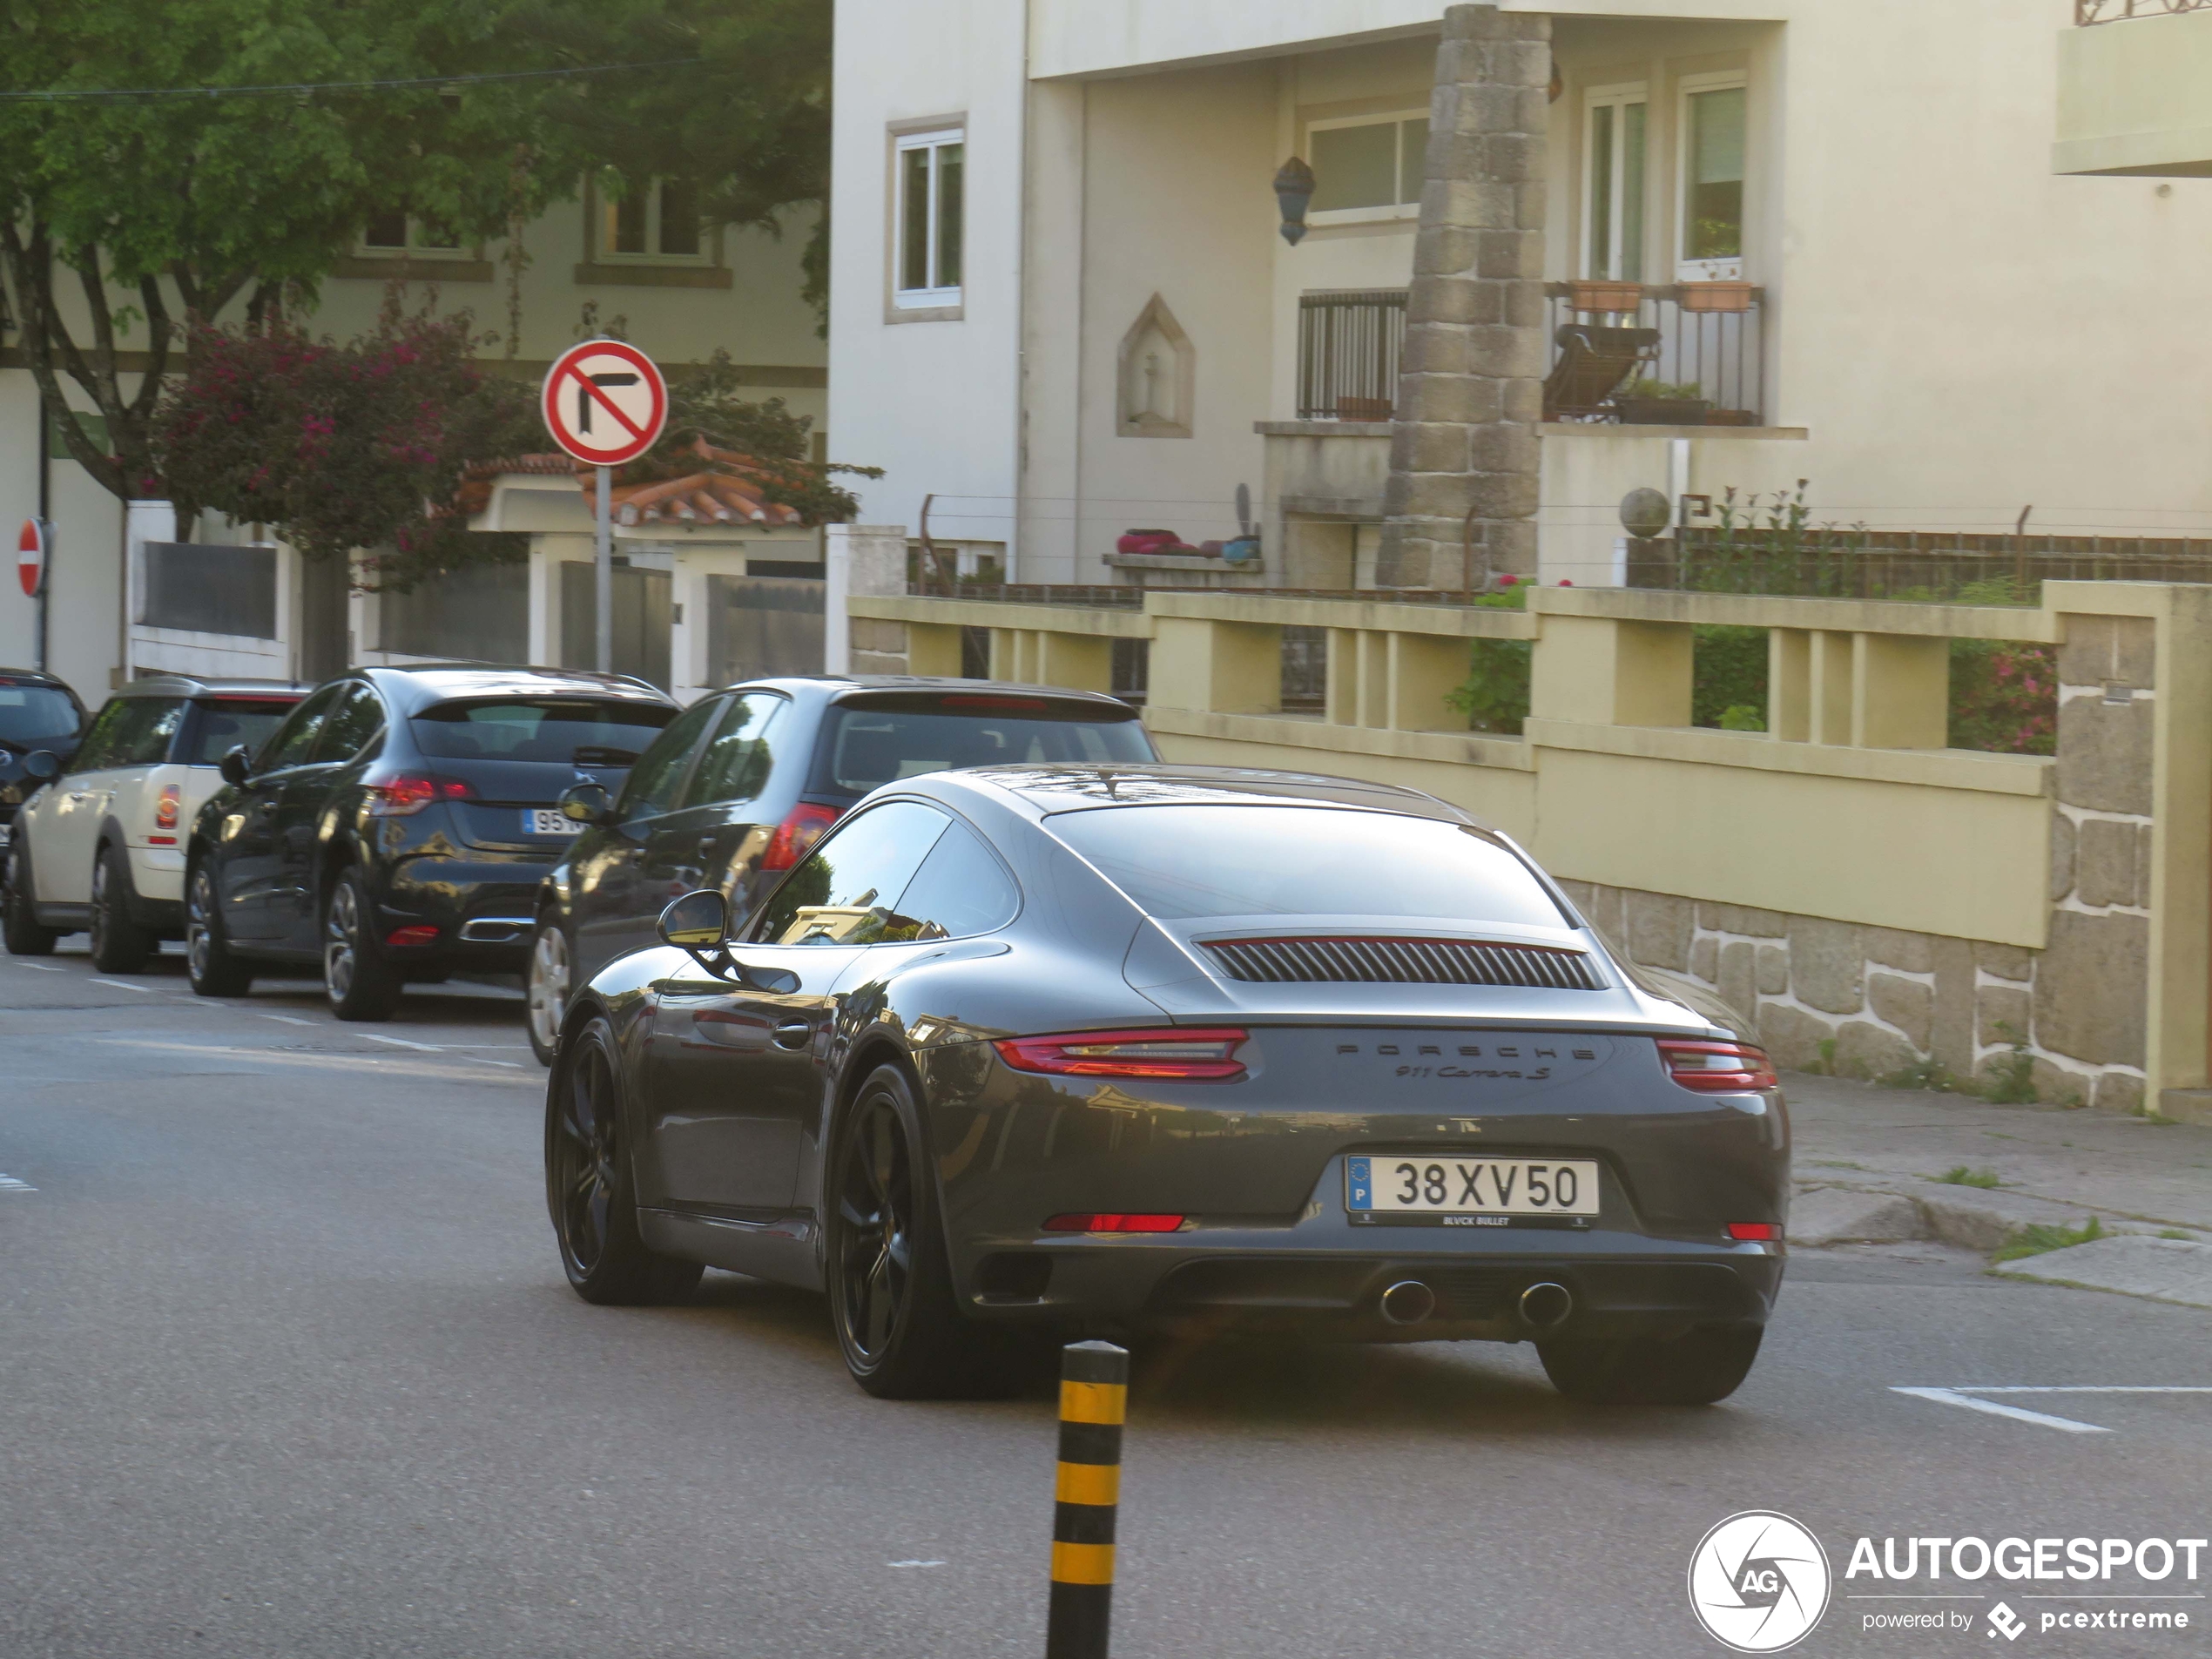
column 1831, row 1212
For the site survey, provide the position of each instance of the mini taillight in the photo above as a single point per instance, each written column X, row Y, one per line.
column 1755, row 1232
column 1190, row 1057
column 165, row 813
column 795, row 837
column 1085, row 1222
column 1717, row 1068
column 405, row 793
column 420, row 933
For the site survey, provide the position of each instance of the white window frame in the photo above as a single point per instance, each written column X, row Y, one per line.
column 1690, row 270
column 603, row 221
column 415, row 248
column 1371, row 215
column 934, row 140
column 1618, row 98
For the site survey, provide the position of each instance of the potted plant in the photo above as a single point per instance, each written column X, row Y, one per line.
column 1715, row 296
column 1603, row 296
column 1650, row 402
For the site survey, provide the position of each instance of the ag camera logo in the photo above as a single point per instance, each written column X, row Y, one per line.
column 1759, row 1582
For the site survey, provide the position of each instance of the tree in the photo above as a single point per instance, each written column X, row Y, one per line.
column 161, row 211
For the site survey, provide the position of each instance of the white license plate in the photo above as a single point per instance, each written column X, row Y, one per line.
column 1455, row 1186
column 547, row 821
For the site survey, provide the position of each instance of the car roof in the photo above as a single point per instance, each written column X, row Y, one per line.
column 212, row 685
column 836, row 688
column 1047, row 789
column 420, row 684
column 34, row 676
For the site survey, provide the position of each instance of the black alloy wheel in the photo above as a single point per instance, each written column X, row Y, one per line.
column 19, row 924
column 1697, row 1368
column 890, row 1281
column 119, row 944
column 208, row 962
column 588, row 1188
column 362, row 982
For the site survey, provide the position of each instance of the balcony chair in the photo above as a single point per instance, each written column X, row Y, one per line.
column 1593, row 364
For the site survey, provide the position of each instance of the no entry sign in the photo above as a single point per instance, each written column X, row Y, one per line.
column 30, row 557
column 604, row 402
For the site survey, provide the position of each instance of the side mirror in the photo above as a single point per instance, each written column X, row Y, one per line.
column 42, row 765
column 236, row 765
column 694, row 922
column 589, row 804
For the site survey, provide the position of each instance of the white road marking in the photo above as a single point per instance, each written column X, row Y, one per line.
column 9, row 1184
column 401, row 1042
column 118, row 985
column 1996, row 1409
column 286, row 1019
column 915, row 1563
column 38, row 968
column 2087, row 1388
column 474, row 1060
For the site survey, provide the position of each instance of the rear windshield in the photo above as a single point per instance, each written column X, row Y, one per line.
column 224, row 723
column 546, row 728
column 1180, row 862
column 868, row 744
column 34, row 714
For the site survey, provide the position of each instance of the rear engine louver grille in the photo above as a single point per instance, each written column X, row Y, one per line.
column 1403, row 962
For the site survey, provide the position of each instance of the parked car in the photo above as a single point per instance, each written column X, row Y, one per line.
column 398, row 823
column 1032, row 1048
column 101, row 849
column 37, row 711
column 740, row 787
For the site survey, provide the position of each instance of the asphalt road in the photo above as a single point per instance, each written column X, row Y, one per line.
column 287, row 1368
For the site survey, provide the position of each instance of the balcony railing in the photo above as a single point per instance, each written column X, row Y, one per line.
column 1721, row 353
column 1348, row 345
column 2090, row 11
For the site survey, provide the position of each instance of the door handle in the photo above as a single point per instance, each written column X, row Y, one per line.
column 794, row 1034
column 266, row 803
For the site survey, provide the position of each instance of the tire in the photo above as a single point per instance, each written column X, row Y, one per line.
column 209, row 963
column 545, row 987
column 589, row 1189
column 898, row 1323
column 119, row 944
column 1697, row 1368
column 360, row 978
column 19, row 923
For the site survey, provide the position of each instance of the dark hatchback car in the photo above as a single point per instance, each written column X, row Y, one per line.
column 397, row 824
column 37, row 711
column 1100, row 1048
column 745, row 780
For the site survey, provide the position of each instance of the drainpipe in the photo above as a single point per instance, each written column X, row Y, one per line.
column 46, row 525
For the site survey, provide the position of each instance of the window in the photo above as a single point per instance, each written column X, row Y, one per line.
column 1179, row 862
column 1366, row 167
column 960, row 890
column 650, row 789
column 401, row 233
column 295, row 739
column 357, row 719
column 930, row 173
column 227, row 722
column 565, row 731
column 1613, row 147
column 736, row 764
column 130, row 731
column 866, row 744
column 1712, row 179
column 653, row 222
column 30, row 715
column 845, row 891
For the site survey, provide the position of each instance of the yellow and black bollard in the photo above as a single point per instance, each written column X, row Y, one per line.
column 1094, row 1395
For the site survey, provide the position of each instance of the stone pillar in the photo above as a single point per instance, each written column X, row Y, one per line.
column 1471, row 392
column 861, row 560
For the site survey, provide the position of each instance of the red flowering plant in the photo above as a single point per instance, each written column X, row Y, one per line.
column 2004, row 697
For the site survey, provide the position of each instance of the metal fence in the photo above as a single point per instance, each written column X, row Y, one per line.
column 1908, row 564
column 208, row 588
column 2089, row 12
column 1721, row 353
column 481, row 614
column 1349, row 344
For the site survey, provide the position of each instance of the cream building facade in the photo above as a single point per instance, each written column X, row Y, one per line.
column 1943, row 331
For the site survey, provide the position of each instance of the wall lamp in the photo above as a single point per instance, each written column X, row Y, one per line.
column 1294, row 189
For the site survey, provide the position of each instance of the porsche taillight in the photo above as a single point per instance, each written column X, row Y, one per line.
column 1717, row 1068
column 1183, row 1056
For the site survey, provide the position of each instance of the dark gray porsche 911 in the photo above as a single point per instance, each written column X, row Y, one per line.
column 1106, row 1048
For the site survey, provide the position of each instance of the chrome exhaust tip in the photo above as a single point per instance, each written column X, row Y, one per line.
column 1546, row 1306
column 1407, row 1302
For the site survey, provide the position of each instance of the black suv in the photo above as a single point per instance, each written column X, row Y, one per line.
column 744, row 781
column 397, row 824
column 37, row 711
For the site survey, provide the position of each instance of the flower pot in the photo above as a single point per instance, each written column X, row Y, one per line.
column 1663, row 411
column 1716, row 296
column 1363, row 409
column 1611, row 298
column 1731, row 417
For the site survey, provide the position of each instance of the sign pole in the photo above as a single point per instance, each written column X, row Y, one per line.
column 603, row 577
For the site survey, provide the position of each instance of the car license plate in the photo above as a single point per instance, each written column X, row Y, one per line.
column 1456, row 1192
column 548, row 820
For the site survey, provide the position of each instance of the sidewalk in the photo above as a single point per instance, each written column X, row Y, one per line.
column 1868, row 1163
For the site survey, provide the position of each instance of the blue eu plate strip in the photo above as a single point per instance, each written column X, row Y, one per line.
column 1359, row 1187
